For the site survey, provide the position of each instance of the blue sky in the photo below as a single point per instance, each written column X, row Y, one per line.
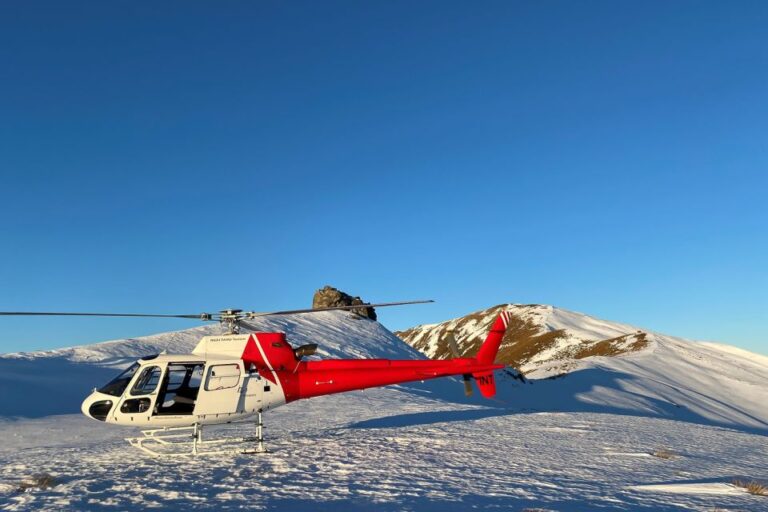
column 606, row 157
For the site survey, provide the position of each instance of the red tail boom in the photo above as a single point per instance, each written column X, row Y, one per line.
column 275, row 361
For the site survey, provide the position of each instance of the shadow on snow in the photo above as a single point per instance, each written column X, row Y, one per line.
column 593, row 390
column 40, row 387
column 34, row 388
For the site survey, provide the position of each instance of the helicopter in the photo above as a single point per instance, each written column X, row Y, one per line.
column 235, row 376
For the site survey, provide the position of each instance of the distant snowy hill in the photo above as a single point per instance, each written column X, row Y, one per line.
column 577, row 362
column 35, row 384
column 538, row 336
column 573, row 362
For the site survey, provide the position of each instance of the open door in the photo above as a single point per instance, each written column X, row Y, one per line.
column 179, row 389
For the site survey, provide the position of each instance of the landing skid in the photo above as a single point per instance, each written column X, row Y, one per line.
column 186, row 441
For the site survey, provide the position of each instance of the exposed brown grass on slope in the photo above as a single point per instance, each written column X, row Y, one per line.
column 752, row 487
column 614, row 346
column 523, row 341
column 42, row 481
column 664, row 453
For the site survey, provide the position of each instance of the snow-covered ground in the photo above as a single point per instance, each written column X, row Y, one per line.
column 389, row 450
column 581, row 442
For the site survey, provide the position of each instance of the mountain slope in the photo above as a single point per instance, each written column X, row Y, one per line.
column 642, row 373
column 576, row 362
column 538, row 335
column 412, row 447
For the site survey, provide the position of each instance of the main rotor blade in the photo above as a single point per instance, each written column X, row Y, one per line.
column 200, row 316
column 214, row 316
column 252, row 314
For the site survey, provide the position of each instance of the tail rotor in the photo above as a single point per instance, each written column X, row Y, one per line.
column 451, row 338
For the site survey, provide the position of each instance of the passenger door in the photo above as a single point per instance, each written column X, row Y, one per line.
column 220, row 392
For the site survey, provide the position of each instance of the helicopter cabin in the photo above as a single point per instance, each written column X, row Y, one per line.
column 179, row 390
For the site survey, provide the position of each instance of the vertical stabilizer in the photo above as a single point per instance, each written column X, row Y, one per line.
column 490, row 347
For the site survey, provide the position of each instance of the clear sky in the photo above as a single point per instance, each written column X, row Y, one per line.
column 606, row 157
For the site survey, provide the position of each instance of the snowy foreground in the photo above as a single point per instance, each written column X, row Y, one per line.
column 580, row 442
column 390, row 450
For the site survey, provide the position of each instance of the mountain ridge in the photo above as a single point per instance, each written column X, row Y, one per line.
column 538, row 334
column 667, row 377
column 613, row 365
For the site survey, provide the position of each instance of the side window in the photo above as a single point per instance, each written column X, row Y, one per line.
column 147, row 381
column 222, row 376
column 135, row 405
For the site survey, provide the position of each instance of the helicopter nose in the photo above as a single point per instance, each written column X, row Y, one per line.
column 97, row 406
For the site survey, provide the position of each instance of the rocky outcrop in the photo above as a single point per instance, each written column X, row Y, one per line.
column 329, row 297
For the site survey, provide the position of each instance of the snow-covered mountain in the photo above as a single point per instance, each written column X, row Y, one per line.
column 538, row 336
column 580, row 441
column 572, row 362
column 578, row 362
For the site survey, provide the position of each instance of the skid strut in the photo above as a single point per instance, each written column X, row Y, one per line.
column 185, row 441
column 259, row 439
column 260, row 435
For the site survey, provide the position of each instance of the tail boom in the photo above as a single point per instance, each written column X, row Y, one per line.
column 318, row 378
column 276, row 361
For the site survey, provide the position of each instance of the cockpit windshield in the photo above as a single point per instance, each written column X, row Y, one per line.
column 117, row 385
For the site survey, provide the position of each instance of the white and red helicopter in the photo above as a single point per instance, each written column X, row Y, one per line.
column 233, row 377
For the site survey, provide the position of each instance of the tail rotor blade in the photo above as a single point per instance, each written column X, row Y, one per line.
column 451, row 339
column 467, row 384
column 452, row 344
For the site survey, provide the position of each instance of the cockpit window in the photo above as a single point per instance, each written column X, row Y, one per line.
column 116, row 386
column 147, row 381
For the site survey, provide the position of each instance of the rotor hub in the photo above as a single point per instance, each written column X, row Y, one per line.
column 230, row 319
